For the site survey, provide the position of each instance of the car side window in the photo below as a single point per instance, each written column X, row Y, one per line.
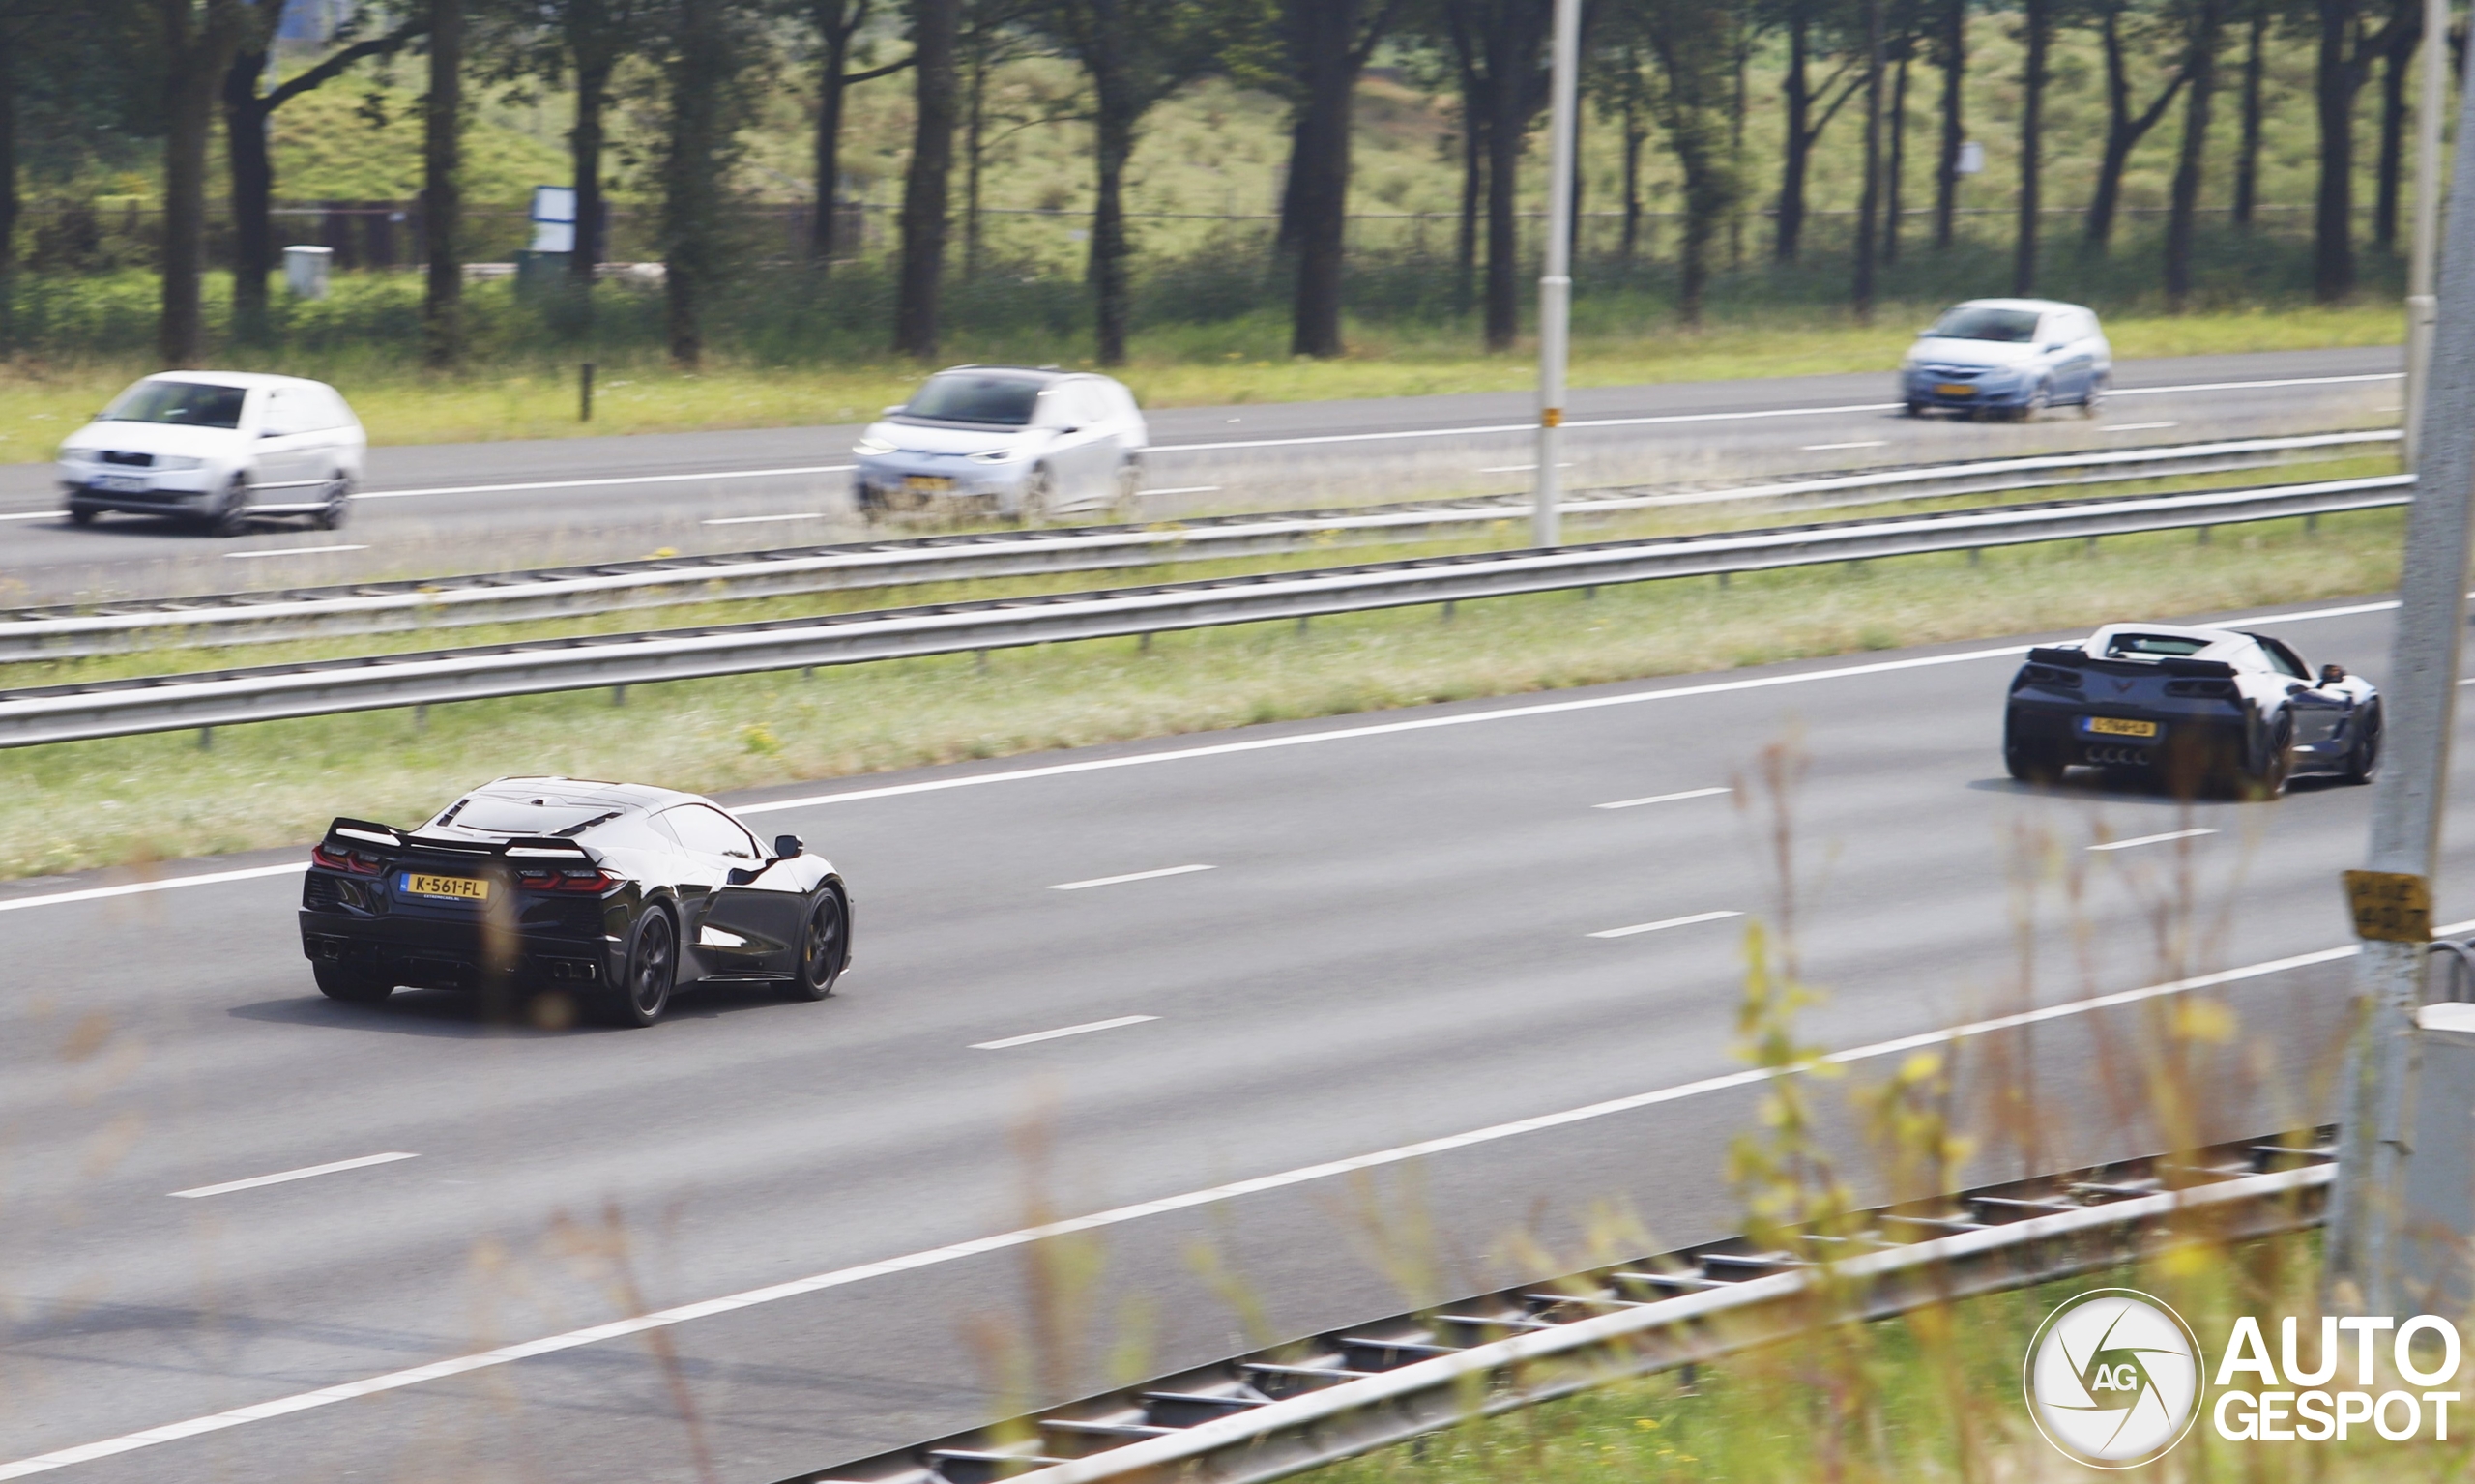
column 330, row 409
column 287, row 412
column 709, row 832
column 2284, row 660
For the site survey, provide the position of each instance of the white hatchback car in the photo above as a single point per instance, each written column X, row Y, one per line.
column 1023, row 442
column 217, row 448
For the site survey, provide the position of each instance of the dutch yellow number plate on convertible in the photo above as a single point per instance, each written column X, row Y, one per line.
column 470, row 889
column 2115, row 726
column 1953, row 389
column 927, row 484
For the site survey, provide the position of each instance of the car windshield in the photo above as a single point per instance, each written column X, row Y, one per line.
column 1976, row 322
column 516, row 816
column 188, row 403
column 957, row 396
column 2152, row 646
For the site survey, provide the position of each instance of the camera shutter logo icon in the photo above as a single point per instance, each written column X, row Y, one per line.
column 2114, row 1377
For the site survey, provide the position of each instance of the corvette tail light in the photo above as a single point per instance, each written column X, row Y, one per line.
column 2215, row 690
column 566, row 879
column 358, row 862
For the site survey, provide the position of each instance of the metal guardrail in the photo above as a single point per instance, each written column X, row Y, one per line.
column 124, row 708
column 1293, row 1408
column 69, row 631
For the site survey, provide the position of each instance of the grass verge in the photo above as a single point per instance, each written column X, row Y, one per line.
column 533, row 394
column 138, row 799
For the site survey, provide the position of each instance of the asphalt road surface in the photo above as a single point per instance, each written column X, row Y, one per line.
column 1300, row 963
column 436, row 510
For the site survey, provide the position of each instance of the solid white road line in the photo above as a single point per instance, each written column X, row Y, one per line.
column 1050, row 1036
column 1471, row 718
column 758, row 520
column 287, row 551
column 980, row 1246
column 1833, row 447
column 2153, row 839
column 1111, row 881
column 1186, row 490
column 255, row 1181
column 1690, row 792
column 1516, row 468
column 165, row 884
column 2134, row 427
column 1666, row 922
column 2251, row 385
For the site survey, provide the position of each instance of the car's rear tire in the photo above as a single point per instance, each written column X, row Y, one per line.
column 643, row 992
column 2265, row 777
column 824, row 944
column 1125, row 504
column 82, row 515
column 338, row 503
column 2096, row 397
column 338, row 982
column 2363, row 758
column 2030, row 760
column 1039, row 497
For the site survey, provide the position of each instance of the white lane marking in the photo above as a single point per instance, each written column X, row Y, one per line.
column 287, row 551
column 1112, row 881
column 1690, row 792
column 166, row 884
column 2134, row 427
column 1516, row 468
column 1469, row 719
column 1050, row 1036
column 1833, row 447
column 2153, row 839
column 1665, row 922
column 1186, row 490
column 632, row 479
column 758, row 520
column 2247, row 386
column 980, row 1246
column 255, row 1181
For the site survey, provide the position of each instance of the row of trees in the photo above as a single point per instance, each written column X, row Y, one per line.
column 1664, row 72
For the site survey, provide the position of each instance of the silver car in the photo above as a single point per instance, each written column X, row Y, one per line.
column 1020, row 442
column 217, row 448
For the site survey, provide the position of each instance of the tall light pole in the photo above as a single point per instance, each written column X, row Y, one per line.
column 2392, row 898
column 2420, row 303
column 1556, row 281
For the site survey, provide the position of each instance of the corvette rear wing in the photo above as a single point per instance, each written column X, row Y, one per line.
column 2170, row 664
column 360, row 835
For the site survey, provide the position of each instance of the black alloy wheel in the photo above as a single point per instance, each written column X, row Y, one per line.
column 2266, row 778
column 823, row 946
column 338, row 982
column 331, row 515
column 652, row 971
column 231, row 517
column 82, row 515
column 2363, row 758
column 2032, row 762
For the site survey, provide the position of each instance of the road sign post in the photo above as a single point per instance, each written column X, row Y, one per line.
column 2420, row 695
column 2432, row 101
column 1556, row 282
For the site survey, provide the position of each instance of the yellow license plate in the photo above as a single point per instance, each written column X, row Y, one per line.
column 927, row 484
column 1954, row 389
column 467, row 887
column 2115, row 726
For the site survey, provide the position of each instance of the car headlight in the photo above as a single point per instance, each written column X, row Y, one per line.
column 995, row 456
column 177, row 461
column 869, row 447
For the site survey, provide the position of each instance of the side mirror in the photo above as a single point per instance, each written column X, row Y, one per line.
column 785, row 845
column 2330, row 675
column 2050, row 346
column 895, row 408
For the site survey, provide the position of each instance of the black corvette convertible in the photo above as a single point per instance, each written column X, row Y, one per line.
column 2193, row 707
column 614, row 892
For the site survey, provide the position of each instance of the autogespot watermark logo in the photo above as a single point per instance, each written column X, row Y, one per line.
column 2114, row 1377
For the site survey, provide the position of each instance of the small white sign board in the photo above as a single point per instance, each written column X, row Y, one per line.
column 1971, row 160
column 554, row 219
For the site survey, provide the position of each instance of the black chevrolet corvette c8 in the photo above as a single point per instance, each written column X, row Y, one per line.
column 2195, row 707
column 618, row 893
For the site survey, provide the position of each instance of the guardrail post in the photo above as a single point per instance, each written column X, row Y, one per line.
column 2420, row 700
column 584, row 394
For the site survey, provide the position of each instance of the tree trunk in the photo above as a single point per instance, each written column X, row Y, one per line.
column 974, row 151
column 927, row 186
column 1634, row 137
column 1696, row 50
column 1734, row 170
column 1473, row 174
column 8, row 64
column 1319, row 180
column 834, row 28
column 691, row 185
column 2037, row 23
column 1504, row 163
column 2393, row 125
column 2124, row 130
column 252, row 189
column 1897, row 168
column 1116, row 145
column 442, row 187
column 189, row 110
column 2333, row 253
column 1946, row 169
column 2247, row 160
column 584, row 155
column 1795, row 143
column 1285, row 231
column 1869, row 200
column 2182, row 221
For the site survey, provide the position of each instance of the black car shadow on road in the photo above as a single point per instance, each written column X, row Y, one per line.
column 464, row 1016
column 2098, row 787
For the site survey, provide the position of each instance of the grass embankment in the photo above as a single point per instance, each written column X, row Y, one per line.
column 134, row 800
column 1934, row 1396
column 519, row 390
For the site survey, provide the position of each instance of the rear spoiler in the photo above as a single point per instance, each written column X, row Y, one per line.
column 351, row 833
column 2074, row 658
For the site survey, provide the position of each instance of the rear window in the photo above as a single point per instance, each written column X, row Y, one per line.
column 964, row 396
column 516, row 816
column 2153, row 646
column 189, row 404
column 1966, row 323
